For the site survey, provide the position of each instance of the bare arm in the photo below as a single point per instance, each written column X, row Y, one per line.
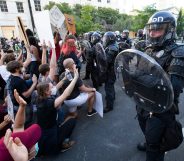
column 67, row 91
column 20, row 116
column 28, row 59
column 53, row 63
column 44, row 51
column 2, row 57
column 83, row 88
column 30, row 90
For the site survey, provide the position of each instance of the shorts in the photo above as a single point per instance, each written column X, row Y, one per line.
column 78, row 101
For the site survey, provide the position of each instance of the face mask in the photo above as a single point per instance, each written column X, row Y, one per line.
column 54, row 90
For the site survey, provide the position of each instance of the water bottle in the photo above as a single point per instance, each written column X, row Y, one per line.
column 68, row 75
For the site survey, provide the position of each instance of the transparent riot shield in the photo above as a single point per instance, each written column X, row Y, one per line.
column 144, row 80
column 101, row 57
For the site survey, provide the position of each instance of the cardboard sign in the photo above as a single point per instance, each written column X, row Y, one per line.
column 70, row 23
column 43, row 27
column 56, row 17
column 22, row 32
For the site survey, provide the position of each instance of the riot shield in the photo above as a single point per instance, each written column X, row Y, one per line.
column 101, row 60
column 123, row 46
column 144, row 80
column 101, row 57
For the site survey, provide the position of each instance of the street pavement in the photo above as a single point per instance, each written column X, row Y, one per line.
column 114, row 137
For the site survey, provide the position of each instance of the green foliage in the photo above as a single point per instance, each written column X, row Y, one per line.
column 89, row 18
column 180, row 23
column 109, row 15
column 140, row 20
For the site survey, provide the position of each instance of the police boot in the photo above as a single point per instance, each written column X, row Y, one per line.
column 107, row 109
column 141, row 146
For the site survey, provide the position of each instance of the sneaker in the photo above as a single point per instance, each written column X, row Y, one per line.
column 66, row 146
column 93, row 112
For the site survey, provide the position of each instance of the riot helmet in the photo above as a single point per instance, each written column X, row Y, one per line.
column 125, row 34
column 140, row 33
column 117, row 33
column 161, row 29
column 109, row 38
column 96, row 37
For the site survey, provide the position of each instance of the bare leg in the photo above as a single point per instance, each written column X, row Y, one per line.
column 91, row 100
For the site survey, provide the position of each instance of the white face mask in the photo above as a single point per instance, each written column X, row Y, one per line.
column 54, row 90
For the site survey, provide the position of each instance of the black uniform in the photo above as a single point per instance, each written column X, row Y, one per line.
column 170, row 56
column 109, row 41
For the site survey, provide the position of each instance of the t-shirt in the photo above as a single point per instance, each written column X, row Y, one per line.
column 75, row 91
column 46, row 113
column 4, row 73
column 16, row 82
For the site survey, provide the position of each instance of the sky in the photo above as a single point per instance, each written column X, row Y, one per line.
column 140, row 4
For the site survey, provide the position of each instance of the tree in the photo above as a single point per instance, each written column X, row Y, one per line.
column 140, row 20
column 86, row 20
column 124, row 22
column 49, row 6
column 109, row 15
column 180, row 23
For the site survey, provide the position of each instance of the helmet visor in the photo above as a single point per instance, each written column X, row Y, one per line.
column 156, row 32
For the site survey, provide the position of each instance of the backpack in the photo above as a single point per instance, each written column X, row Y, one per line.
column 173, row 137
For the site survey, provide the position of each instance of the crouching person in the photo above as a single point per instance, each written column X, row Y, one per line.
column 81, row 94
column 53, row 135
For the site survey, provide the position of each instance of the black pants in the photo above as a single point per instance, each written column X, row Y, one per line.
column 153, row 128
column 109, row 88
column 52, row 139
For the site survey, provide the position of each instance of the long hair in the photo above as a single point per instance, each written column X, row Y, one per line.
column 41, row 89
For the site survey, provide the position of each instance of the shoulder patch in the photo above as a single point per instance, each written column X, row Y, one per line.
column 178, row 52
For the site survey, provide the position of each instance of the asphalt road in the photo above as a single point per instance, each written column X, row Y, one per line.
column 112, row 138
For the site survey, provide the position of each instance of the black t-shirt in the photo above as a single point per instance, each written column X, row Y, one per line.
column 15, row 82
column 46, row 113
column 75, row 91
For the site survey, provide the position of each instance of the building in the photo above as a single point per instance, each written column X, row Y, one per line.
column 10, row 9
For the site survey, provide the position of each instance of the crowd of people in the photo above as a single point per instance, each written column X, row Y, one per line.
column 38, row 80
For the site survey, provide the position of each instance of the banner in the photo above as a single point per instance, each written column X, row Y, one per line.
column 70, row 23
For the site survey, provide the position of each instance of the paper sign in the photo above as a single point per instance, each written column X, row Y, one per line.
column 56, row 17
column 43, row 27
column 10, row 107
column 63, row 31
column 98, row 105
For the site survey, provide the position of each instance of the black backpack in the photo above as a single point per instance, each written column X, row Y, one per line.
column 173, row 137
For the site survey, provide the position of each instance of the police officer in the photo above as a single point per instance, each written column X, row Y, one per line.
column 161, row 34
column 88, row 55
column 95, row 38
column 125, row 37
column 111, row 50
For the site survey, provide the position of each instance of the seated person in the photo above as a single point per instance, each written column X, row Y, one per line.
column 28, row 137
column 81, row 94
column 53, row 135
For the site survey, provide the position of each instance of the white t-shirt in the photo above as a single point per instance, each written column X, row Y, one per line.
column 4, row 73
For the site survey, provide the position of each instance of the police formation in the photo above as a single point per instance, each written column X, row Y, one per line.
column 152, row 73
